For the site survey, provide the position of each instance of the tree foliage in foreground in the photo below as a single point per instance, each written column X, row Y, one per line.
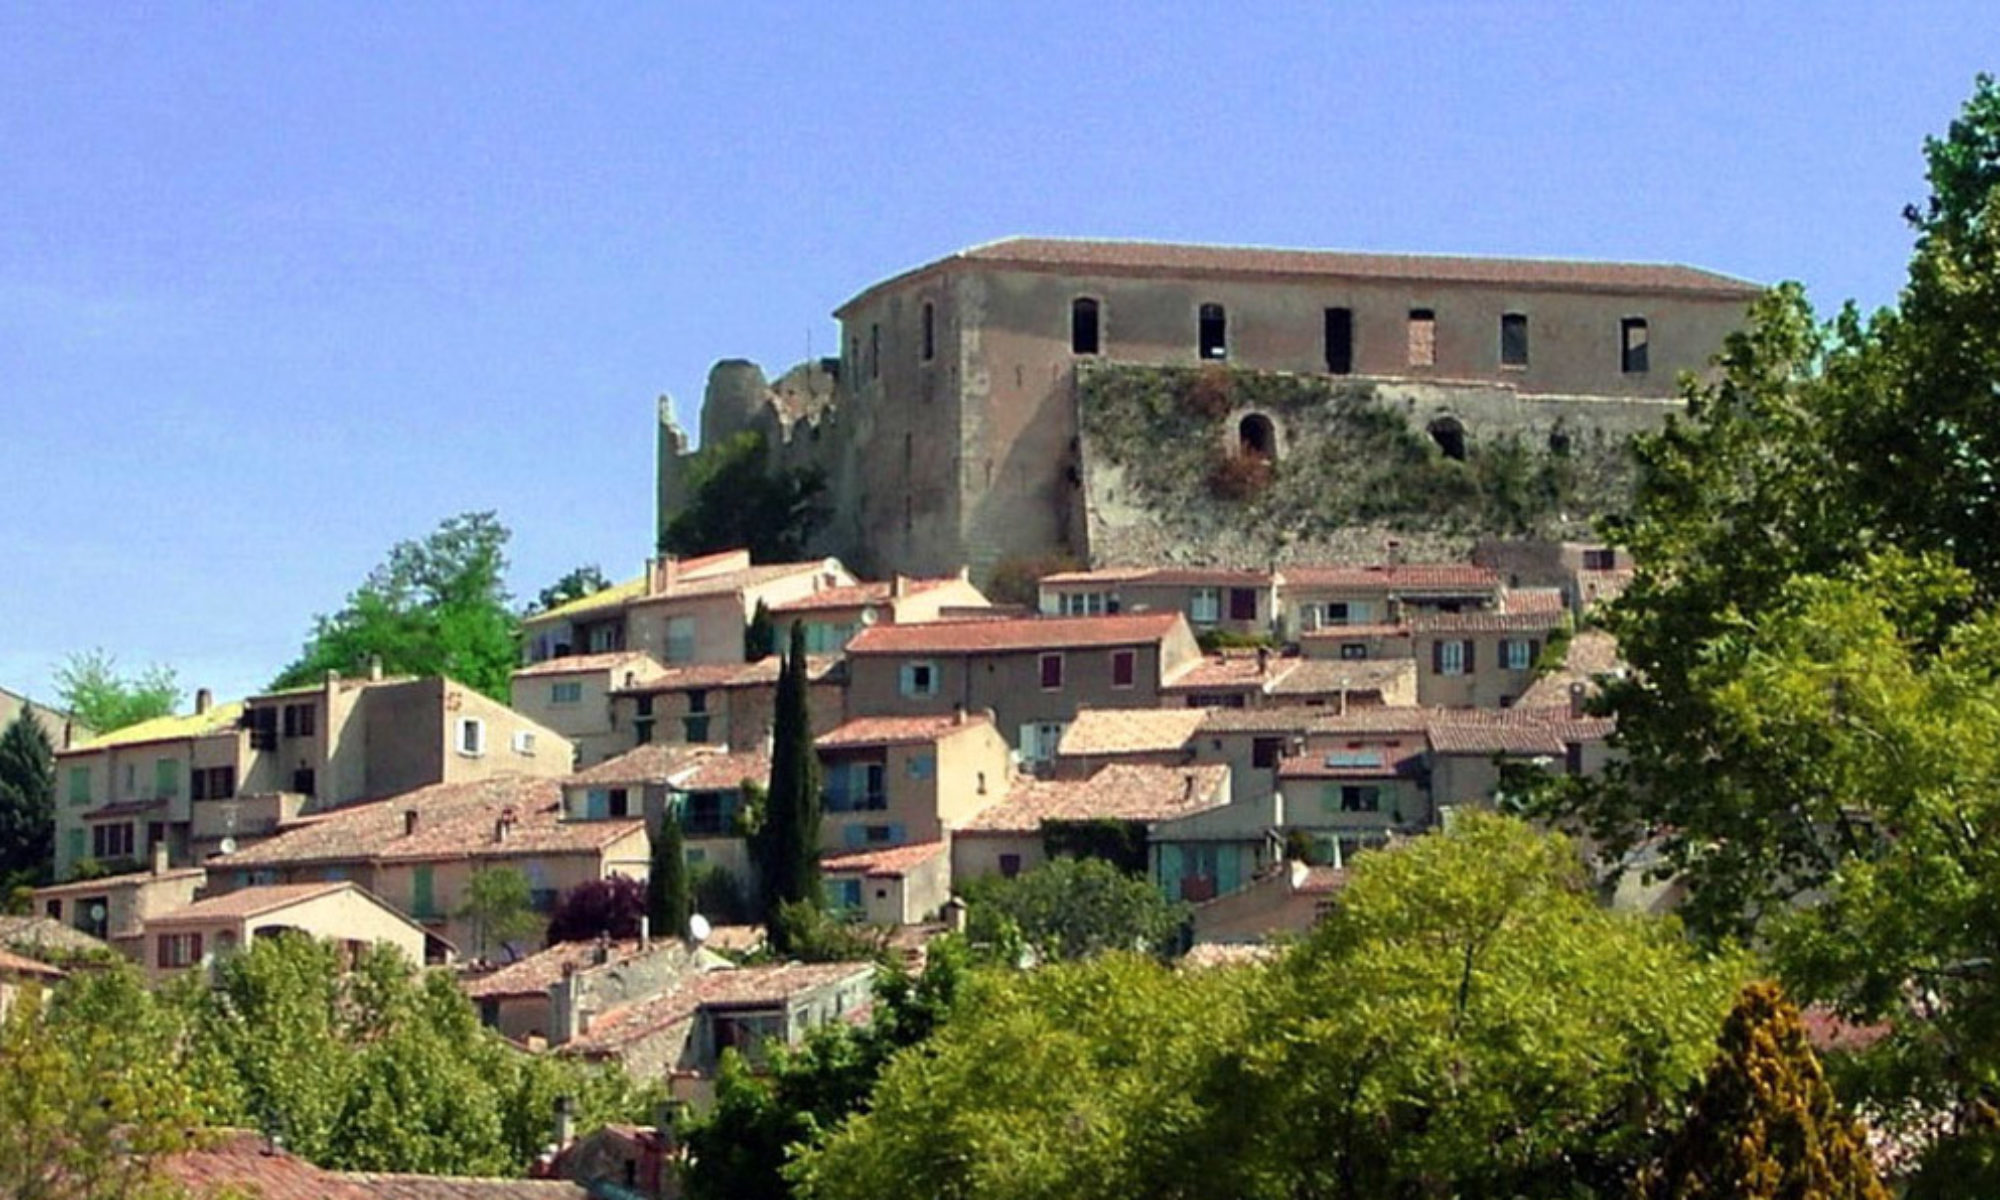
column 435, row 607
column 1070, row 908
column 1764, row 1123
column 736, row 500
column 1809, row 729
column 499, row 903
column 103, row 699
column 1468, row 1022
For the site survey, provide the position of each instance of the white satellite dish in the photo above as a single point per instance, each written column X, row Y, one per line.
column 226, row 846
column 698, row 928
column 869, row 616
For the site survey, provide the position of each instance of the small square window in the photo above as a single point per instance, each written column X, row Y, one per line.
column 1124, row 668
column 471, row 736
column 1052, row 672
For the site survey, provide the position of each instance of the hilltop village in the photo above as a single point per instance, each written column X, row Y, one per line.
column 1246, row 579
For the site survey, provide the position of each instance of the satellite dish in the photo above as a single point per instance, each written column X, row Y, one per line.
column 97, row 912
column 226, row 846
column 869, row 616
column 698, row 928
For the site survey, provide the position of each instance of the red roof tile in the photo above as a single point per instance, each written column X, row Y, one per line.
column 1400, row 577
column 248, row 902
column 856, row 595
column 620, row 1027
column 15, row 964
column 454, row 821
column 1226, row 673
column 1533, row 600
column 1358, row 632
column 532, row 975
column 654, row 762
column 1487, row 621
column 1082, row 255
column 1117, row 792
column 897, row 731
column 1130, row 730
column 1331, row 676
column 587, row 664
column 1348, row 765
column 239, row 1161
column 726, row 772
column 1017, row 634
column 890, row 862
column 1164, row 577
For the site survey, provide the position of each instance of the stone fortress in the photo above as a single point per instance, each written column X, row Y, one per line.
column 1115, row 402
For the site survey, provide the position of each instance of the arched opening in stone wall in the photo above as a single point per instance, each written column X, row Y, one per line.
column 1449, row 436
column 1257, row 438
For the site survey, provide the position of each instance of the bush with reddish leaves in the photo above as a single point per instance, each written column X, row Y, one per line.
column 1239, row 476
column 609, row 907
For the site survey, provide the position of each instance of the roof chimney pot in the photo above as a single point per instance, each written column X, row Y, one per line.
column 203, row 701
column 409, row 822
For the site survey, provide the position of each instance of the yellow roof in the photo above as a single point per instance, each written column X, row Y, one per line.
column 610, row 597
column 161, row 729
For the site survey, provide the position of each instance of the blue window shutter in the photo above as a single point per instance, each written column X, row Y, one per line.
column 854, row 836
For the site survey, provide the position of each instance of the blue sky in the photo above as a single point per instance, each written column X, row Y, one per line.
column 283, row 284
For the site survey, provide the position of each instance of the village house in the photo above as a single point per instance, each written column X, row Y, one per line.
column 573, row 696
column 419, row 850
column 1099, row 736
column 1584, row 574
column 1286, row 900
column 900, row 885
column 701, row 786
column 679, row 611
column 732, row 704
column 521, row 1000
column 1244, row 603
column 889, row 781
column 1034, row 673
column 225, row 775
column 1328, row 597
column 115, row 909
column 832, row 617
column 1261, row 679
column 1482, row 659
column 18, row 971
column 342, row 912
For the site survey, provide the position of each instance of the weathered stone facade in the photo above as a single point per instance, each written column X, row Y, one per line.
column 957, row 425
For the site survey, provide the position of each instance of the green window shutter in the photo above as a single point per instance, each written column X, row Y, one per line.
column 166, row 777
column 79, row 785
column 422, row 903
column 78, row 851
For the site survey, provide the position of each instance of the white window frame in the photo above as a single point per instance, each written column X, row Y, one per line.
column 470, row 737
column 1081, row 604
column 524, row 742
column 1451, row 657
column 1205, row 605
column 1514, row 653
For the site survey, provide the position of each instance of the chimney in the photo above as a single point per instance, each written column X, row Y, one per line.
column 375, row 668
column 645, row 932
column 409, row 822
column 958, row 715
column 203, row 701
column 666, row 573
column 160, row 857
column 1263, row 661
column 1576, row 700
column 899, row 586
column 565, row 1129
column 954, row 914
column 1187, row 788
column 501, row 824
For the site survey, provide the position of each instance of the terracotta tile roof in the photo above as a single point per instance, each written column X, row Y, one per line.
column 1486, row 621
column 859, row 594
column 1230, row 672
column 1296, row 718
column 1388, row 718
column 654, row 762
column 897, row 731
column 112, row 883
column 1456, row 578
column 709, row 676
column 1130, row 730
column 1593, row 652
column 619, row 1027
column 532, row 975
column 1592, row 655
column 1533, row 600
column 1329, row 676
column 16, row 964
column 1357, row 632
column 1513, row 732
column 726, row 772
column 1164, row 577
column 890, row 862
column 240, row 1162
column 721, row 583
column 1364, row 764
column 249, row 902
column 460, row 1187
column 1117, row 792
column 764, row 672
column 35, row 935
column 1017, row 634
column 218, row 719
column 585, row 664
column 1322, row 881
column 455, row 821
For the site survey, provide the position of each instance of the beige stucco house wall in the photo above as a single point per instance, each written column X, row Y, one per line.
column 340, row 912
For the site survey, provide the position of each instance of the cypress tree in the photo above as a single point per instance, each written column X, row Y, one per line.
column 788, row 858
column 760, row 636
column 669, row 900
column 27, row 801
column 1764, row 1123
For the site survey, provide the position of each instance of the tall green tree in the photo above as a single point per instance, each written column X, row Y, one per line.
column 1764, row 1124
column 435, row 607
column 787, row 845
column 103, row 699
column 760, row 636
column 669, row 898
column 737, row 500
column 499, row 903
column 27, row 802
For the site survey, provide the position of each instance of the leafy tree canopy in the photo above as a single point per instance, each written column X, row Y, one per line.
column 1071, row 908
column 103, row 699
column 583, row 581
column 435, row 607
column 737, row 500
column 499, row 904
column 600, row 908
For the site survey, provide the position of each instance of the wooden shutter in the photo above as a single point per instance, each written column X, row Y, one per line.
column 1534, row 653
column 1469, row 644
column 1437, row 657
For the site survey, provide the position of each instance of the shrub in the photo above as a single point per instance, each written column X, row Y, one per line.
column 1239, row 477
column 1211, row 393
